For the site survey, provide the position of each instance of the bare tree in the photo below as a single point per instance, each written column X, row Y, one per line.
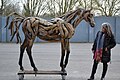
column 107, row 7
column 102, row 7
column 8, row 7
column 11, row 8
column 34, row 7
column 59, row 7
column 1, row 7
column 86, row 4
column 4, row 4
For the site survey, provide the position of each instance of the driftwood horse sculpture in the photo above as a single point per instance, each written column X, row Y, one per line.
column 58, row 29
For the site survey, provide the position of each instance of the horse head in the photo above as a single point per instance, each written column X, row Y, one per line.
column 88, row 17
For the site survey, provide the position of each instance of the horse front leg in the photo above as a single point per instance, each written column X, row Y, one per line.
column 62, row 56
column 67, row 58
column 62, row 60
column 29, row 52
column 67, row 52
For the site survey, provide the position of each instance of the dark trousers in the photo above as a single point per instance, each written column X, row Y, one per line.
column 95, row 64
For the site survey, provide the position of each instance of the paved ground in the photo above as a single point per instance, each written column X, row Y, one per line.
column 47, row 56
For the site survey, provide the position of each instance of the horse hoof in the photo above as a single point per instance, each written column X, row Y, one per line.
column 63, row 69
column 21, row 68
column 35, row 69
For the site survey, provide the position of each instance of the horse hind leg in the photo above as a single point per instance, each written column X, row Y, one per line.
column 28, row 49
column 22, row 49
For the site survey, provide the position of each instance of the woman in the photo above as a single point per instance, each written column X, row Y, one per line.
column 102, row 46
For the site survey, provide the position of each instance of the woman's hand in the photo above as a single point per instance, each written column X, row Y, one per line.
column 106, row 49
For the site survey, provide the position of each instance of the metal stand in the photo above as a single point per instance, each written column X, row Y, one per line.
column 22, row 73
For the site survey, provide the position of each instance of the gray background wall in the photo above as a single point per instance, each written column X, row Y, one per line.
column 83, row 33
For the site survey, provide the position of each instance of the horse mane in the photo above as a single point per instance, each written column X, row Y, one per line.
column 71, row 12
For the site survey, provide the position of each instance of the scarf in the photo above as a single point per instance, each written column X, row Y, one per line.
column 99, row 46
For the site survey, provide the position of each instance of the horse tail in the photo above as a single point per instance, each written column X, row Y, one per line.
column 12, row 14
column 14, row 25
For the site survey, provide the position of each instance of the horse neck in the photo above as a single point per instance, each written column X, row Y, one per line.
column 76, row 22
column 73, row 18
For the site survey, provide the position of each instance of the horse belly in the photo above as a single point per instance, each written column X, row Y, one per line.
column 48, row 37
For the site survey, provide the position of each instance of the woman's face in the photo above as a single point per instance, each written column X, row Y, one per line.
column 103, row 29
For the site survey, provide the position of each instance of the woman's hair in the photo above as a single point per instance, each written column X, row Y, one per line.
column 107, row 27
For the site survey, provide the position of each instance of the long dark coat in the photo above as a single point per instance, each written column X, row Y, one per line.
column 109, row 43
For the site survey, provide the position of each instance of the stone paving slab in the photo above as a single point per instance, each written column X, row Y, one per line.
column 47, row 56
